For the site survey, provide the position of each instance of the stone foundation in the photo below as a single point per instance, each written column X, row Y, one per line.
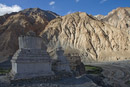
column 42, row 79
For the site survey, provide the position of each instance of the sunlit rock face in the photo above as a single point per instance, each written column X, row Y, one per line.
column 119, row 18
column 30, row 60
column 93, row 39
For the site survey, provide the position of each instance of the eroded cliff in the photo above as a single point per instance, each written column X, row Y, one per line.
column 93, row 39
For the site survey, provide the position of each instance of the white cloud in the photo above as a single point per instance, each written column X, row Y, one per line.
column 77, row 0
column 102, row 1
column 69, row 12
column 4, row 9
column 52, row 3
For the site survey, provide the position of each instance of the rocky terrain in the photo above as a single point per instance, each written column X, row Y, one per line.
column 99, row 38
column 119, row 18
column 93, row 39
column 16, row 24
column 116, row 74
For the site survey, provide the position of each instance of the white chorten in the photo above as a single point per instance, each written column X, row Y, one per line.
column 30, row 60
column 62, row 64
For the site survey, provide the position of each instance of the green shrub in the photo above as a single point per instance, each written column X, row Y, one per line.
column 93, row 69
column 4, row 71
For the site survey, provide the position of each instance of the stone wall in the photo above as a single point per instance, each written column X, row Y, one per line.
column 26, row 42
column 73, row 60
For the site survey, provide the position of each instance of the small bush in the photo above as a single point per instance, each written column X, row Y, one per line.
column 4, row 71
column 93, row 69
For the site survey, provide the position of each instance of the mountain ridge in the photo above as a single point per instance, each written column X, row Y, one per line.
column 93, row 39
column 90, row 36
column 18, row 24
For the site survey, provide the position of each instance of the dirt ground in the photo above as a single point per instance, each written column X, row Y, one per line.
column 117, row 74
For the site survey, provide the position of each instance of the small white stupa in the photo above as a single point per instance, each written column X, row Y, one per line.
column 30, row 60
column 62, row 63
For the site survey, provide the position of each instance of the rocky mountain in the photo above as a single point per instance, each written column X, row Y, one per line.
column 16, row 24
column 119, row 18
column 99, row 17
column 99, row 38
column 91, row 38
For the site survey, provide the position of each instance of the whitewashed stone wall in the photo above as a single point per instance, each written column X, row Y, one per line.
column 30, row 42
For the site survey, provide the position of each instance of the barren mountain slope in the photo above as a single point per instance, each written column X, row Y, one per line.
column 92, row 39
column 119, row 18
column 19, row 23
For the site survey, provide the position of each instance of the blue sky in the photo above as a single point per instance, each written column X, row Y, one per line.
column 63, row 7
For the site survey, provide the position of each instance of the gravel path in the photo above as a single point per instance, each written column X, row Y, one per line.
column 116, row 73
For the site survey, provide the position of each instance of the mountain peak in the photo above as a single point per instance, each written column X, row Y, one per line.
column 118, row 18
column 39, row 12
column 120, row 10
column 32, row 10
column 14, row 25
column 83, row 15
